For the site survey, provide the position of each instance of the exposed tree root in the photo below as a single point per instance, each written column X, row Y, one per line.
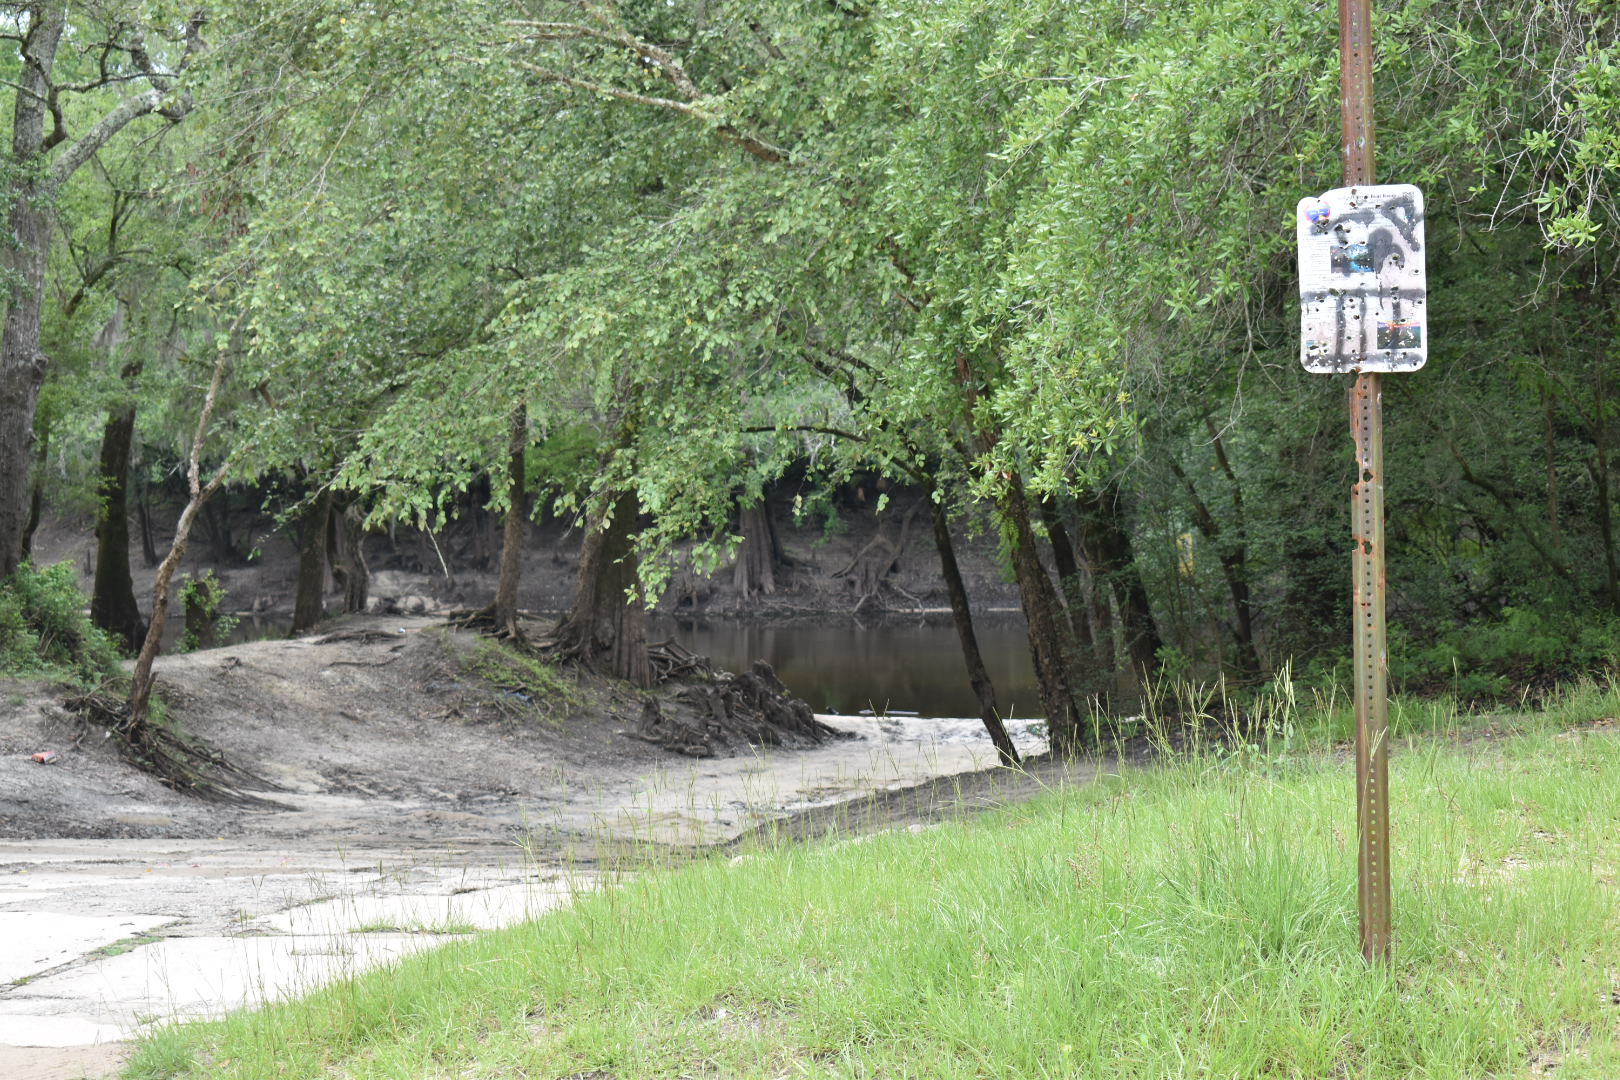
column 711, row 712
column 483, row 621
column 360, row 635
column 177, row 761
column 719, row 710
column 672, row 660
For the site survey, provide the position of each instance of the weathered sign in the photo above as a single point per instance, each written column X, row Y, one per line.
column 1363, row 304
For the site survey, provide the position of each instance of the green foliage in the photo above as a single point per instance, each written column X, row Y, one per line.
column 201, row 598
column 953, row 243
column 563, row 462
column 1520, row 651
column 44, row 630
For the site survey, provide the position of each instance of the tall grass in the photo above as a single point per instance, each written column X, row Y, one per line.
column 1191, row 919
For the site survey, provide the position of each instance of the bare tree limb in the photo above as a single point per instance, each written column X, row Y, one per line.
column 669, row 67
column 158, row 98
column 85, row 146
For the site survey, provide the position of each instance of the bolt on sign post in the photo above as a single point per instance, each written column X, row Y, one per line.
column 1363, row 311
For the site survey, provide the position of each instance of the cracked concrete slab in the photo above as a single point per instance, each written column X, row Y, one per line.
column 459, row 912
column 102, row 940
column 197, row 977
column 34, row 942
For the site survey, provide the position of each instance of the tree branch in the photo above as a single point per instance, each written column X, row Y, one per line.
column 667, row 65
column 814, row 429
column 85, row 146
column 552, row 75
column 765, row 151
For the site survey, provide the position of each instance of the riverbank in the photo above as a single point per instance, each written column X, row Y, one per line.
column 859, row 561
column 386, row 731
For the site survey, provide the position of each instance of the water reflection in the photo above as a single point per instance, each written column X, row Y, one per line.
column 846, row 666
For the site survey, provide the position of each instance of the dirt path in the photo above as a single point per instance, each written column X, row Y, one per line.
column 414, row 801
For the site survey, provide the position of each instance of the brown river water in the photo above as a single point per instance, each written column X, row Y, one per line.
column 894, row 665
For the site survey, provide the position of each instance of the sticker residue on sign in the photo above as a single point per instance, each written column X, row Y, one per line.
column 1363, row 301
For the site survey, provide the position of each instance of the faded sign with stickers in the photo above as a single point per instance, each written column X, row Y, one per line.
column 1361, row 285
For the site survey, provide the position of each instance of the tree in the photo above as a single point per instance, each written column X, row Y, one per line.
column 42, row 160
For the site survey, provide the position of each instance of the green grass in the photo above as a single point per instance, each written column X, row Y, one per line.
column 1192, row 919
column 124, row 945
column 526, row 687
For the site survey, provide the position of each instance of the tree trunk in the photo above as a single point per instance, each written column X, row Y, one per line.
column 1235, row 561
column 1071, row 584
column 962, row 616
column 754, row 572
column 33, row 182
column 36, row 497
column 1050, row 645
column 606, row 629
column 506, row 589
column 148, row 545
column 22, row 365
column 1233, row 556
column 141, row 678
column 1048, row 634
column 345, row 554
column 112, row 596
column 1108, row 547
column 307, row 606
column 216, row 518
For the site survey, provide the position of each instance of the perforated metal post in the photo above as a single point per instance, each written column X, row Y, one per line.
column 1372, row 714
column 1367, row 509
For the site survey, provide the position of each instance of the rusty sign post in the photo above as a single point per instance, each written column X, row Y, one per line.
column 1363, row 306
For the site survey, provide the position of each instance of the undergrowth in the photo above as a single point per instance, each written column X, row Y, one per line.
column 1524, row 650
column 45, row 633
column 1522, row 654
column 202, row 599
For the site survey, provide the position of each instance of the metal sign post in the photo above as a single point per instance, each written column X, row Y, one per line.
column 1367, row 510
column 1363, row 310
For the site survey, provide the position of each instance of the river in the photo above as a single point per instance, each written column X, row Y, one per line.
column 894, row 664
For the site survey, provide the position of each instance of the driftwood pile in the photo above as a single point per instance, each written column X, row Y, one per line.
column 719, row 712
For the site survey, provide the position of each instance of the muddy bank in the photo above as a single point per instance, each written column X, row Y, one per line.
column 403, row 730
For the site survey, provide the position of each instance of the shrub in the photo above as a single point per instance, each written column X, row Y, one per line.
column 45, row 631
column 201, row 598
column 1522, row 650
